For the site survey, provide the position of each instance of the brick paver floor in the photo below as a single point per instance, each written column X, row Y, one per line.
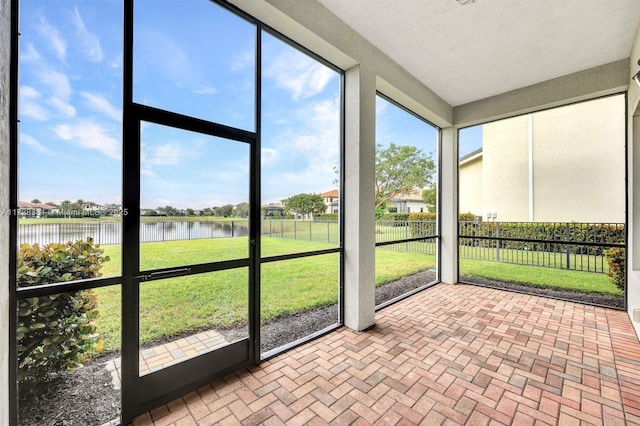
column 448, row 355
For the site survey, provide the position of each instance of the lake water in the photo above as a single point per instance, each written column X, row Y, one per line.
column 111, row 232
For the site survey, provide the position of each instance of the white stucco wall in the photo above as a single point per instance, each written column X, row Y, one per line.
column 578, row 160
column 505, row 169
column 470, row 187
column 633, row 188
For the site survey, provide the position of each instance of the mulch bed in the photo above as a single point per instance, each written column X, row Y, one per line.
column 86, row 396
column 604, row 300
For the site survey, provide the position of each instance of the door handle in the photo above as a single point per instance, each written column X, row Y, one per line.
column 164, row 274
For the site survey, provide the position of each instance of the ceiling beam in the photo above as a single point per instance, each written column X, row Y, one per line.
column 588, row 84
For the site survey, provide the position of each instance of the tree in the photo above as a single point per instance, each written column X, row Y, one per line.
column 191, row 212
column 168, row 211
column 429, row 198
column 242, row 210
column 68, row 209
column 36, row 201
column 224, row 211
column 305, row 204
column 399, row 170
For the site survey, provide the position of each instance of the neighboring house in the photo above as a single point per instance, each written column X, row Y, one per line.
column 470, row 184
column 559, row 165
column 89, row 208
column 404, row 203
column 331, row 200
column 35, row 210
column 411, row 202
column 274, row 210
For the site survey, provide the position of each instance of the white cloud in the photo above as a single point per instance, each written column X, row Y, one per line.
column 148, row 172
column 31, row 104
column 116, row 62
column 57, row 83
column 299, row 74
column 65, row 108
column 90, row 42
column 269, row 156
column 243, row 60
column 163, row 155
column 87, row 134
column 34, row 144
column 102, row 105
column 52, row 35
column 206, row 91
column 311, row 142
column 171, row 60
column 152, row 203
column 29, row 54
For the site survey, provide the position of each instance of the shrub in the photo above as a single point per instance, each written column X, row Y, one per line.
column 327, row 217
column 422, row 216
column 616, row 259
column 469, row 217
column 399, row 217
column 422, row 224
column 57, row 332
column 553, row 236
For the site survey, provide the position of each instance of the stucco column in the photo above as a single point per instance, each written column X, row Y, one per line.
column 633, row 218
column 5, row 56
column 449, row 206
column 358, row 199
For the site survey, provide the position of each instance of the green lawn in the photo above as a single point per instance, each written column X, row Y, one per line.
column 576, row 261
column 172, row 306
column 219, row 299
column 539, row 276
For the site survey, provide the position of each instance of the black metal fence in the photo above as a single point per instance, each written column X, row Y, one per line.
column 111, row 232
column 407, row 236
column 565, row 245
column 319, row 231
column 574, row 246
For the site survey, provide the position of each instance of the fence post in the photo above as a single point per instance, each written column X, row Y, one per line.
column 163, row 230
column 328, row 233
column 295, row 231
column 231, row 229
column 498, row 242
column 567, row 249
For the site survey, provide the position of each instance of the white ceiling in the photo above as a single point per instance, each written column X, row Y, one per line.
column 466, row 53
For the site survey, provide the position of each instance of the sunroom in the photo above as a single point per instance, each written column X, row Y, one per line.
column 476, row 260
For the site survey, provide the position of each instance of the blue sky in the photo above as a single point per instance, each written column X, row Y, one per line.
column 71, row 100
column 395, row 125
column 469, row 139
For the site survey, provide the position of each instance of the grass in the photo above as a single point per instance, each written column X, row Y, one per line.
column 540, row 276
column 220, row 299
column 391, row 265
column 577, row 261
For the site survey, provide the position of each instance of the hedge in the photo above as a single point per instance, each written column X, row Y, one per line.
column 57, row 332
column 556, row 235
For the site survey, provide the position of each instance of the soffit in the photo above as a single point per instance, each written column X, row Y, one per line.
column 468, row 53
